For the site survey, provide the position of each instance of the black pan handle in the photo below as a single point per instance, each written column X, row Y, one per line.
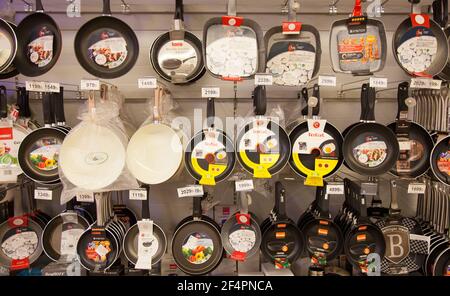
column 106, row 7
column 260, row 100
column 179, row 10
column 210, row 113
column 39, row 6
column 324, row 201
column 146, row 204
column 47, row 109
column 364, row 91
column 3, row 102
column 197, row 207
column 280, row 200
column 59, row 106
column 362, row 207
column 19, row 101
column 26, row 100
column 394, row 209
column 316, row 93
column 304, row 95
column 70, row 205
column 402, row 95
column 371, row 94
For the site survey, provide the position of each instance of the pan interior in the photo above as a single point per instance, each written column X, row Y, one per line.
column 159, row 244
column 7, row 45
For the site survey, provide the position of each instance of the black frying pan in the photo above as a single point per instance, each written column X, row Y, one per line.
column 105, row 46
column 440, row 160
column 177, row 55
column 414, row 157
column 370, row 148
column 37, row 53
column 7, row 37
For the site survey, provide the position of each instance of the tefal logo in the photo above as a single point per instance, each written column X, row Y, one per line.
column 316, row 124
column 177, row 43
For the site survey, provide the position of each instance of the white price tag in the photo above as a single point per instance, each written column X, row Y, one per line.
column 263, row 79
column 425, row 83
column 417, row 188
column 51, row 87
column 147, row 82
column 90, row 85
column 327, row 80
column 404, row 145
column 244, row 185
column 35, row 86
column 85, row 197
column 43, row 194
column 335, row 189
column 378, row 82
column 190, row 191
column 434, row 84
column 210, row 92
column 138, row 194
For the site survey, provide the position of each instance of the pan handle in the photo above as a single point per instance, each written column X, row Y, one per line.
column 210, row 113
column 47, row 109
column 39, row 6
column 324, row 201
column 179, row 10
column 231, row 7
column 402, row 95
column 156, row 110
column 394, row 198
column 146, row 204
column 291, row 11
column 3, row 102
column 106, row 7
column 371, row 97
column 304, row 95
column 260, row 100
column 316, row 94
column 197, row 207
column 59, row 107
column 280, row 201
column 357, row 9
column 364, row 91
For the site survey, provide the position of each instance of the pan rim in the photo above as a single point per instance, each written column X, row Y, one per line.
column 12, row 33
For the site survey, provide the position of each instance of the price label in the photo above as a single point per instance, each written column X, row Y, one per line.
column 35, row 86
column 85, row 197
column 51, row 87
column 90, row 85
column 434, row 84
column 378, row 82
column 244, row 185
column 263, row 79
column 425, row 83
column 190, row 191
column 43, row 194
column 335, row 189
column 147, row 82
column 138, row 194
column 327, row 80
column 210, row 92
column 417, row 188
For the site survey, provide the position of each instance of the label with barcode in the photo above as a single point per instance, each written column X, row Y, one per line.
column 147, row 82
column 90, row 85
column 244, row 185
column 378, row 82
column 425, row 83
column 335, row 189
column 85, row 197
column 263, row 79
column 138, row 194
column 210, row 92
column 43, row 194
column 417, row 188
column 327, row 80
column 190, row 191
column 35, row 86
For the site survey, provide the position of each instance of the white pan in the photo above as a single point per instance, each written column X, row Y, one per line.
column 92, row 156
column 155, row 151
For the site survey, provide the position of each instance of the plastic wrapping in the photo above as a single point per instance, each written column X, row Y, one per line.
column 92, row 156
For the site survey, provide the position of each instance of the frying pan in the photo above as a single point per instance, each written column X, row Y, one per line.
column 149, row 236
column 323, row 237
column 98, row 247
column 39, row 45
column 177, row 55
column 428, row 60
column 241, row 235
column 364, row 238
column 293, row 59
column 358, row 45
column 196, row 244
column 370, row 148
column 309, row 143
column 414, row 158
column 210, row 156
column 60, row 235
column 233, row 47
column 440, row 166
column 263, row 147
column 38, row 152
column 440, row 16
column 145, row 159
column 124, row 213
column 8, row 41
column 105, row 46
column 282, row 242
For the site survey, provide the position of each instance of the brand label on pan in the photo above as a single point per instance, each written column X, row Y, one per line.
column 210, row 92
column 327, row 80
column 263, row 79
column 85, row 197
column 90, row 85
column 190, row 191
column 42, row 86
column 43, row 194
column 425, row 83
column 417, row 188
column 378, row 82
column 244, row 185
column 147, row 82
column 138, row 194
column 337, row 189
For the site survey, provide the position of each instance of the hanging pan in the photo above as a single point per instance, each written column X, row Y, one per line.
column 420, row 45
column 440, row 15
column 8, row 45
column 105, row 46
column 316, row 146
column 293, row 51
column 209, row 156
column 370, row 148
column 358, row 45
column 263, row 147
column 177, row 55
column 233, row 47
column 39, row 45
column 414, row 140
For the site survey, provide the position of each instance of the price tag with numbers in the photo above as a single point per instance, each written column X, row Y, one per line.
column 51, row 87
column 425, row 83
column 335, row 189
column 244, row 185
column 190, row 191
column 90, row 85
column 43, row 194
column 378, row 82
column 147, row 82
column 35, row 86
column 85, row 197
column 327, row 80
column 138, row 194
column 263, row 79
column 417, row 188
column 210, row 92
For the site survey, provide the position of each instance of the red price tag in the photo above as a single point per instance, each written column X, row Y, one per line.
column 238, row 256
column 6, row 133
column 18, row 264
column 420, row 20
column 234, row 21
column 243, row 219
column 292, row 27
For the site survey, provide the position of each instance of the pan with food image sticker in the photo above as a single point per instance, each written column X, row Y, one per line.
column 440, row 160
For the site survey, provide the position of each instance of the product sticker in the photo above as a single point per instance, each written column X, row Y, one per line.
column 10, row 140
column 97, row 251
column 107, row 49
column 371, row 153
column 45, row 156
column 69, row 240
column 178, row 58
column 40, row 49
column 147, row 244
column 198, row 248
column 20, row 243
column 443, row 162
column 242, row 240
